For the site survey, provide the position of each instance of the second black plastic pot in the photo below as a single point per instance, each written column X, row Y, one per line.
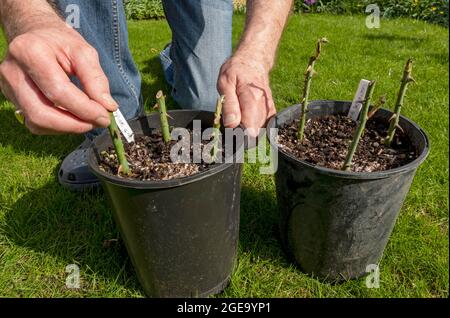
column 335, row 223
column 180, row 234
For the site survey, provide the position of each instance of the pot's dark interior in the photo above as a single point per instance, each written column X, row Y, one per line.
column 320, row 108
column 144, row 126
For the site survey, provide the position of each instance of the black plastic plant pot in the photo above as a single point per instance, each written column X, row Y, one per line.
column 180, row 234
column 334, row 224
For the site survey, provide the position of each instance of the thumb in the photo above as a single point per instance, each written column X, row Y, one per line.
column 254, row 111
column 231, row 108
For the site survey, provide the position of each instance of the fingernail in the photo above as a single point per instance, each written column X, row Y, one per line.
column 110, row 101
column 103, row 121
column 229, row 119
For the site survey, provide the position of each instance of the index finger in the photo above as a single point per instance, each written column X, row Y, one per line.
column 86, row 66
column 54, row 83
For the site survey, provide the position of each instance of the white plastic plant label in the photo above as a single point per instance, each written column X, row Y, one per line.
column 124, row 128
column 358, row 100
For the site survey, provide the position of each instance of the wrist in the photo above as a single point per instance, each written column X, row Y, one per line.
column 33, row 23
column 255, row 56
column 18, row 17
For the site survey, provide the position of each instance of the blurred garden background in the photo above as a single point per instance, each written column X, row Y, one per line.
column 433, row 11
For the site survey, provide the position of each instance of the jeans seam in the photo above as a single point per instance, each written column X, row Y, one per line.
column 117, row 53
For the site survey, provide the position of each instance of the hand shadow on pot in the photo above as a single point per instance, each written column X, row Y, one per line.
column 18, row 137
column 73, row 227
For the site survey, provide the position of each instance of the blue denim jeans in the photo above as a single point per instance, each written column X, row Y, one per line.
column 200, row 44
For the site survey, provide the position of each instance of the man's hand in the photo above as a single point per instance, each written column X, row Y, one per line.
column 35, row 77
column 244, row 78
column 248, row 98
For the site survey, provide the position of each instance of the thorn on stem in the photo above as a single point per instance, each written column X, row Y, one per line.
column 392, row 117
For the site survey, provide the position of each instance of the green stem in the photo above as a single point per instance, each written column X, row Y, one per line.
column 309, row 73
column 304, row 107
column 407, row 78
column 161, row 99
column 360, row 129
column 114, row 132
column 216, row 126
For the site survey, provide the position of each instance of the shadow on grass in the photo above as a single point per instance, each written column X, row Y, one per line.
column 259, row 233
column 77, row 228
column 393, row 37
column 73, row 227
column 18, row 137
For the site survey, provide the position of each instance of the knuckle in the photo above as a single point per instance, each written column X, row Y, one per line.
column 225, row 72
column 101, row 79
column 222, row 83
column 17, row 45
column 228, row 76
column 37, row 48
column 90, row 52
column 57, row 92
column 25, row 45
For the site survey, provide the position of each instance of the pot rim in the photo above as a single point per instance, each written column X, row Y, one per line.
column 350, row 174
column 151, row 184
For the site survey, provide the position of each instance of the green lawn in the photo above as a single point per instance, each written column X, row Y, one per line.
column 44, row 227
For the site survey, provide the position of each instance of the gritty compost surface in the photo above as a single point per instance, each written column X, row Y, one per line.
column 149, row 159
column 327, row 140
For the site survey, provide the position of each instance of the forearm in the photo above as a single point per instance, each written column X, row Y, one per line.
column 18, row 16
column 263, row 29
